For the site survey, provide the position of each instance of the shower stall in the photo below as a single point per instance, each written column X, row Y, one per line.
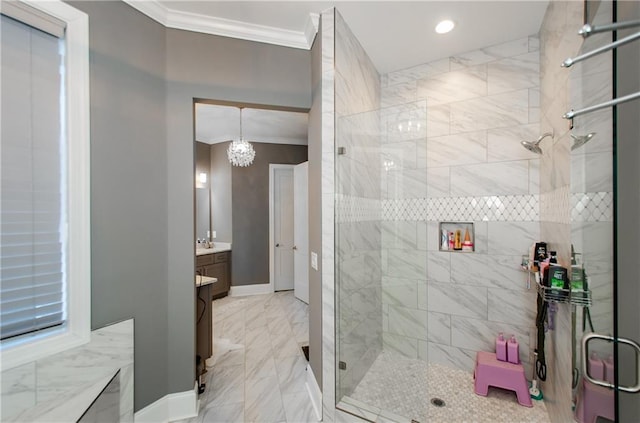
column 435, row 147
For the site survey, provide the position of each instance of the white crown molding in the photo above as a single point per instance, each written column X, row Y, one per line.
column 311, row 28
column 188, row 21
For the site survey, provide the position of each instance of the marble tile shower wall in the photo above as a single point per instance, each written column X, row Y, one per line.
column 358, row 226
column 451, row 151
column 558, row 40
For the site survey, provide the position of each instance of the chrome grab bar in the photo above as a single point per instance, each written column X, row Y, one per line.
column 585, row 360
column 570, row 61
column 589, row 29
column 573, row 113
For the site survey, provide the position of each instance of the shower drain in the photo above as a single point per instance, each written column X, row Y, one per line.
column 437, row 402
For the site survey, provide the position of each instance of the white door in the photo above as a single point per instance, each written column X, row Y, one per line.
column 301, row 231
column 283, row 228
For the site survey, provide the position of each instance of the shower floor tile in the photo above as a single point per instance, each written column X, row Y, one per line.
column 397, row 386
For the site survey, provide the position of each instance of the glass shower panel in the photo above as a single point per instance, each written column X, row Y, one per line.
column 381, row 259
column 592, row 214
column 358, row 249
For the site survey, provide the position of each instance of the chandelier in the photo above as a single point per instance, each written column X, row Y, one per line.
column 240, row 151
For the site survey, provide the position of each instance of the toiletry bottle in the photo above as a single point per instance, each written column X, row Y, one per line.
column 451, row 240
column 444, row 240
column 467, row 244
column 501, row 347
column 596, row 366
column 513, row 350
column 609, row 370
column 457, row 243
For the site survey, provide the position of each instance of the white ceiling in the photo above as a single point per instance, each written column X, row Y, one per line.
column 215, row 124
column 396, row 34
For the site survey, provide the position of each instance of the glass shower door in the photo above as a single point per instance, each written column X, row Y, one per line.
column 605, row 364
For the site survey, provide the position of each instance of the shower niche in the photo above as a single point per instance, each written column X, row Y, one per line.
column 458, row 237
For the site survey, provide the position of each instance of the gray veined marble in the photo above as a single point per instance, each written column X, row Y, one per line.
column 439, row 120
column 491, row 271
column 409, row 264
column 494, row 111
column 514, row 307
column 18, row 389
column 454, row 86
column 512, row 238
column 514, row 73
column 460, row 300
column 398, row 94
column 489, row 54
column 408, row 322
column 503, row 144
column 402, row 345
column 439, row 328
column 458, row 149
column 438, row 266
column 418, row 72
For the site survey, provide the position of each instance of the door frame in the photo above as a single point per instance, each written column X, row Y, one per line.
column 272, row 254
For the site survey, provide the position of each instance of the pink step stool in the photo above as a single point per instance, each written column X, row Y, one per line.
column 501, row 374
column 595, row 401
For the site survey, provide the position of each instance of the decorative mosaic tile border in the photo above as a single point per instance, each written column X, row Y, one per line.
column 495, row 208
column 357, row 209
column 549, row 207
column 592, row 207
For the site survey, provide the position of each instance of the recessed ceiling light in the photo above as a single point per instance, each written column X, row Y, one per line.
column 444, row 26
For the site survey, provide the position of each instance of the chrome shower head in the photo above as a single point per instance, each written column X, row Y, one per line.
column 580, row 140
column 534, row 147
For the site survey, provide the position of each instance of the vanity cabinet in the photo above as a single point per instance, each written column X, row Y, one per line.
column 216, row 265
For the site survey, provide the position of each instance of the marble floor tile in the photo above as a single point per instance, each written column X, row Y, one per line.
column 257, row 372
column 228, row 413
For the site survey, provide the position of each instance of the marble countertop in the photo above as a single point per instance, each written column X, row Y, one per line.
column 218, row 247
column 204, row 280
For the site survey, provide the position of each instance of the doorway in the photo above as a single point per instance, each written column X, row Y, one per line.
column 288, row 229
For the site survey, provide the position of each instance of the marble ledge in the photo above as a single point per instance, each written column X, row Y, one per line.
column 73, row 379
column 218, row 247
column 204, row 281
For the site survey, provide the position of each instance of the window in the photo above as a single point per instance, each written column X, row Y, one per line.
column 44, row 191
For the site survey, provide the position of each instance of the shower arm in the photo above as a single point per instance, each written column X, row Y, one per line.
column 589, row 29
column 571, row 61
column 573, row 113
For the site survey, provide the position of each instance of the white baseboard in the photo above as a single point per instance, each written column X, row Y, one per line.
column 171, row 407
column 242, row 290
column 314, row 393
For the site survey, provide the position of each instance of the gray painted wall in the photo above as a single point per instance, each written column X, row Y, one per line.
column 201, row 66
column 144, row 79
column 129, row 187
column 250, row 205
column 221, row 216
column 315, row 213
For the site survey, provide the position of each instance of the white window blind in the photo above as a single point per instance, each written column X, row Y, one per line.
column 32, row 200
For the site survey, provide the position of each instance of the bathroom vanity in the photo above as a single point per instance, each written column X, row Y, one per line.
column 204, row 315
column 215, row 263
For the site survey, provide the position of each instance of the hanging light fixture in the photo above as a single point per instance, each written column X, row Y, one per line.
column 240, row 151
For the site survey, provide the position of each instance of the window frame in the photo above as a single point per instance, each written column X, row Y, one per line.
column 77, row 329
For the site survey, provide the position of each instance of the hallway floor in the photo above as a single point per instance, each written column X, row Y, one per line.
column 257, row 372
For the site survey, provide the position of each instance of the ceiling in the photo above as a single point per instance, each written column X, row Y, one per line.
column 395, row 34
column 215, row 124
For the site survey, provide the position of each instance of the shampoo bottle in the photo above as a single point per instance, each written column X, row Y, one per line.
column 513, row 350
column 501, row 347
column 596, row 366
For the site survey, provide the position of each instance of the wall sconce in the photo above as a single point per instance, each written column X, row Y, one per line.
column 203, row 178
